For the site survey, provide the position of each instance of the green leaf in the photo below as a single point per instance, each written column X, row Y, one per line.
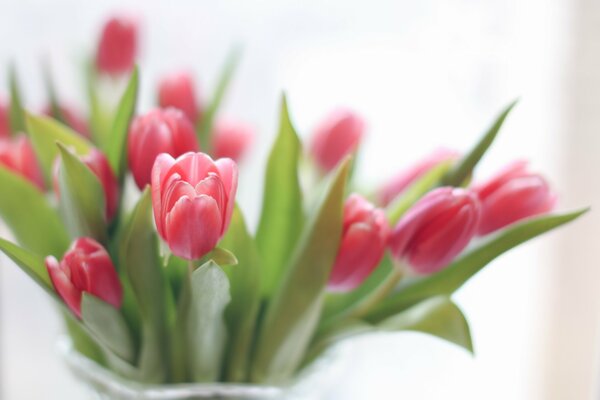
column 456, row 274
column 45, row 132
column 242, row 312
column 206, row 333
column 117, row 145
column 282, row 216
column 107, row 325
column 82, row 202
column 291, row 317
column 437, row 316
column 140, row 260
column 55, row 109
column 402, row 203
column 16, row 111
column 205, row 124
column 30, row 263
column 31, row 219
column 222, row 257
column 464, row 168
column 101, row 118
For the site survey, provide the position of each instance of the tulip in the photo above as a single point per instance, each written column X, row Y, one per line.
column 231, row 139
column 436, row 229
column 192, row 199
column 85, row 267
column 364, row 239
column 159, row 131
column 17, row 155
column 97, row 162
column 71, row 118
column 512, row 195
column 177, row 90
column 4, row 121
column 117, row 47
column 405, row 178
column 336, row 137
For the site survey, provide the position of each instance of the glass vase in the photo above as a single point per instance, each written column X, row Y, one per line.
column 313, row 383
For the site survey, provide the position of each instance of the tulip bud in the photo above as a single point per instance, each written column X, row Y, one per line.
column 231, row 139
column 436, row 229
column 364, row 239
column 159, row 131
column 408, row 176
column 336, row 137
column 177, row 90
column 72, row 118
column 117, row 47
column 513, row 194
column 193, row 198
column 85, row 267
column 4, row 121
column 97, row 162
column 17, row 155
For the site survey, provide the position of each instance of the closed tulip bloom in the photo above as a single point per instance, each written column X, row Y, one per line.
column 193, row 198
column 436, row 229
column 4, row 121
column 513, row 194
column 72, row 118
column 177, row 90
column 17, row 155
column 336, row 137
column 117, row 48
column 159, row 131
column 231, row 139
column 97, row 162
column 364, row 239
column 85, row 267
column 406, row 177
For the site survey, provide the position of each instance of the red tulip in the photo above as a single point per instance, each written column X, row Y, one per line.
column 72, row 118
column 336, row 137
column 4, row 121
column 231, row 139
column 159, row 131
column 17, row 155
column 178, row 90
column 193, row 198
column 117, row 47
column 436, row 229
column 85, row 267
column 364, row 240
column 97, row 162
column 406, row 177
column 513, row 194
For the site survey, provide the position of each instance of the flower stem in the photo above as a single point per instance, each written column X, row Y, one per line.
column 380, row 293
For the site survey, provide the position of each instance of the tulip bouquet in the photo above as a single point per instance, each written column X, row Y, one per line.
column 159, row 279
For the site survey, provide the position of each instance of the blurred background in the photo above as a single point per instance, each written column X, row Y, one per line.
column 424, row 74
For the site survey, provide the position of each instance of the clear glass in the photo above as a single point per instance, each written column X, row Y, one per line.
column 313, row 383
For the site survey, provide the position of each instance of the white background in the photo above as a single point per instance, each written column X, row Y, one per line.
column 424, row 74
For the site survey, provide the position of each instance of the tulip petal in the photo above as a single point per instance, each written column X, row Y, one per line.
column 228, row 172
column 63, row 285
column 162, row 165
column 193, row 167
column 193, row 227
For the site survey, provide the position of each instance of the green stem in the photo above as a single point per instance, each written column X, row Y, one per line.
column 380, row 293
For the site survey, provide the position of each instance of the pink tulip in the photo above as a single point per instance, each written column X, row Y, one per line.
column 336, row 137
column 97, row 162
column 436, row 229
column 178, row 90
column 117, row 47
column 364, row 240
column 193, row 198
column 4, row 121
column 72, row 118
column 159, row 131
column 17, row 155
column 405, row 178
column 513, row 194
column 231, row 139
column 85, row 267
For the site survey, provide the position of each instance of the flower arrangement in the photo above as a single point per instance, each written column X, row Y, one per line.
column 155, row 272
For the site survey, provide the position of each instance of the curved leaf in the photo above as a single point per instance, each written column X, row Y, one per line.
column 282, row 215
column 30, row 263
column 31, row 219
